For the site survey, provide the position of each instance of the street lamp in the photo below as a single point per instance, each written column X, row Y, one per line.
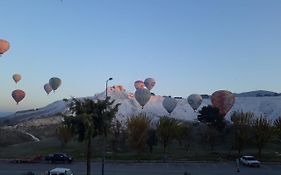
column 106, row 86
column 103, row 151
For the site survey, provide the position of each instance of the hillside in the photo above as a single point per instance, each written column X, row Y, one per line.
column 261, row 104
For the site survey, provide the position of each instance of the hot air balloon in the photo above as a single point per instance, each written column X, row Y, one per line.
column 194, row 100
column 223, row 100
column 55, row 83
column 169, row 104
column 18, row 95
column 4, row 46
column 139, row 84
column 142, row 96
column 17, row 77
column 149, row 83
column 48, row 88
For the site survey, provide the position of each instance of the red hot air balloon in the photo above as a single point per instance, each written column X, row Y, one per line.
column 223, row 100
column 139, row 84
column 4, row 46
column 18, row 95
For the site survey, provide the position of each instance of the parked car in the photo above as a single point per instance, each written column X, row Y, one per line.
column 60, row 171
column 35, row 159
column 58, row 157
column 250, row 161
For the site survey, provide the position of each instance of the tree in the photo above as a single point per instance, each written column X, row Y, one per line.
column 64, row 134
column 183, row 134
column 208, row 135
column 166, row 130
column 152, row 139
column 138, row 127
column 116, row 133
column 262, row 132
column 215, row 121
column 89, row 118
column 241, row 129
column 211, row 116
column 277, row 127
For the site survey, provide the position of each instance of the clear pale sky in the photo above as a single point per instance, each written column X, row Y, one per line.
column 187, row 46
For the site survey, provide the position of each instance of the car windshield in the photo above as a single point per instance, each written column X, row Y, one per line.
column 250, row 158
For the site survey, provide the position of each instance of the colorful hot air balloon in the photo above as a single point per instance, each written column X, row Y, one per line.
column 169, row 104
column 55, row 83
column 17, row 77
column 194, row 100
column 18, row 95
column 139, row 84
column 142, row 96
column 149, row 83
column 223, row 100
column 4, row 46
column 48, row 88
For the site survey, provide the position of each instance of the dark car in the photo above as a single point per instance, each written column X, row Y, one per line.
column 58, row 157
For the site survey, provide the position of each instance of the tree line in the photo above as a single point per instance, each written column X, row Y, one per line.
column 88, row 119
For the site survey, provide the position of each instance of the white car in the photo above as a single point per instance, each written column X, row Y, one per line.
column 60, row 171
column 250, row 161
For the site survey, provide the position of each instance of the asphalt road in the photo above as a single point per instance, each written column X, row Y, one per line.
column 210, row 168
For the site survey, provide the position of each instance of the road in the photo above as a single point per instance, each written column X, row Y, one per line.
column 210, row 168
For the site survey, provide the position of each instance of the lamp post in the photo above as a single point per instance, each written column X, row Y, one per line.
column 106, row 86
column 103, row 151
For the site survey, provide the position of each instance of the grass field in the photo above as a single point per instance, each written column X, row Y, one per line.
column 197, row 152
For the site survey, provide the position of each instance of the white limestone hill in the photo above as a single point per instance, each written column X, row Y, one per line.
column 267, row 105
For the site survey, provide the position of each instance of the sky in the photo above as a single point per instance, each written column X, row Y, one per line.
column 187, row 46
